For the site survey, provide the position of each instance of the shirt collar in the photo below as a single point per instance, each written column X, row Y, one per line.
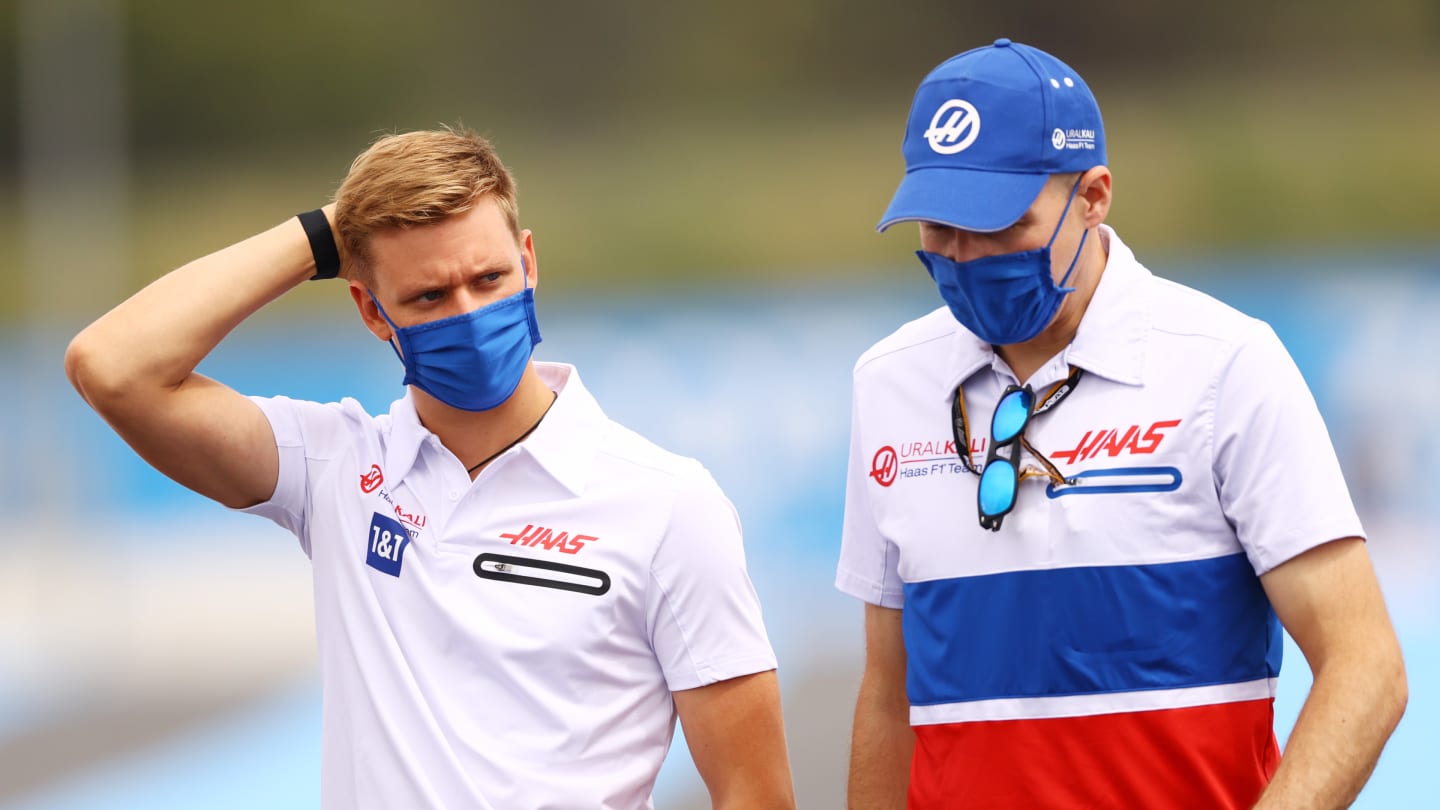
column 1112, row 336
column 568, row 439
column 1115, row 330
column 405, row 437
column 564, row 444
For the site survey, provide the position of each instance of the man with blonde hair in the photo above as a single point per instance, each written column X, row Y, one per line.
column 515, row 597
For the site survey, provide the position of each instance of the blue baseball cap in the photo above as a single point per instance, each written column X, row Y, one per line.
column 987, row 129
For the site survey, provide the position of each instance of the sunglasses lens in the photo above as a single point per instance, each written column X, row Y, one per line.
column 1010, row 415
column 997, row 487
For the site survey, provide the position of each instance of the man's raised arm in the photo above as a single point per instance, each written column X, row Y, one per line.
column 136, row 366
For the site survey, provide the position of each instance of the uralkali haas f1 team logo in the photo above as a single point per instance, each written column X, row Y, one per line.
column 917, row 459
column 954, row 127
column 1073, row 139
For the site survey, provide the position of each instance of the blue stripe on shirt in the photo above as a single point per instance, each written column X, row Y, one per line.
column 1088, row 630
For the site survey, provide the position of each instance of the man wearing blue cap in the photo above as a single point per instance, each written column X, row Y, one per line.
column 1083, row 500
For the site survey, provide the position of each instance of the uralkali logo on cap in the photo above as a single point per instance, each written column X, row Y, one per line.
column 960, row 128
column 1073, row 139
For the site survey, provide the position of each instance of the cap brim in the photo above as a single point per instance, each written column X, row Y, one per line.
column 968, row 199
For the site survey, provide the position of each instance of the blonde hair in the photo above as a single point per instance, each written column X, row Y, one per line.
column 417, row 178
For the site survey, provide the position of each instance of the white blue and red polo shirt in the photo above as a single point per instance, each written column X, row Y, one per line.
column 511, row 641
column 1111, row 646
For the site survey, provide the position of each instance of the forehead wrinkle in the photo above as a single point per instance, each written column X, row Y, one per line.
column 462, row 273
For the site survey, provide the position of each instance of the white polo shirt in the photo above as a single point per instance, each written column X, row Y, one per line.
column 1111, row 643
column 510, row 642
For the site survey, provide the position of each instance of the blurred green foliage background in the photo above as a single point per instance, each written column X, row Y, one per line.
column 676, row 144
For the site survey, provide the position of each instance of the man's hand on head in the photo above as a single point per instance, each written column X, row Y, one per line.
column 329, row 210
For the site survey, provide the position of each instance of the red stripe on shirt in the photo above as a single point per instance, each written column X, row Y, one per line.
column 1206, row 758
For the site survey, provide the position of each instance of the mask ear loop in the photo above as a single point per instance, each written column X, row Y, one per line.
column 529, row 294
column 395, row 329
column 1083, row 236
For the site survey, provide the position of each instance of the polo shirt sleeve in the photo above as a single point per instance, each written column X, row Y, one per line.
column 702, row 612
column 1279, row 480
column 303, row 430
column 868, row 568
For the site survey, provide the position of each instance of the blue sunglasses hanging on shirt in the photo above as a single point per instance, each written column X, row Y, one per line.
column 1001, row 476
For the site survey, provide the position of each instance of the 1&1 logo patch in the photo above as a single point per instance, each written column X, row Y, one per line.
column 387, row 543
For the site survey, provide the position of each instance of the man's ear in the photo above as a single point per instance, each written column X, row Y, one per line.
column 369, row 313
column 527, row 255
column 1095, row 190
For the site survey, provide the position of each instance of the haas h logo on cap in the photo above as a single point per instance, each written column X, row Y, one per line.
column 960, row 128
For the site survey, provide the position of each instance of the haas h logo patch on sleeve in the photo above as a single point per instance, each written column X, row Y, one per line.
column 386, row 545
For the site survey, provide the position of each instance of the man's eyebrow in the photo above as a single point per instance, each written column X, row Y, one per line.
column 413, row 289
column 486, row 268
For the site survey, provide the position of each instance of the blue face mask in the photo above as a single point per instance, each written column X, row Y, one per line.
column 472, row 361
column 1004, row 299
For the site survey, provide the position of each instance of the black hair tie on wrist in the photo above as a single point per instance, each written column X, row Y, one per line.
column 322, row 244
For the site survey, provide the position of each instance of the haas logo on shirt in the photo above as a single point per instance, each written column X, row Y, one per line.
column 370, row 481
column 1134, row 440
column 541, row 537
column 386, row 545
column 884, row 466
